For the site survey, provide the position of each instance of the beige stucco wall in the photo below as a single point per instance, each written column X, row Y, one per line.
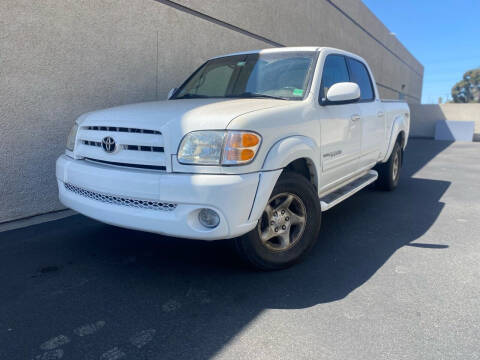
column 61, row 58
column 424, row 117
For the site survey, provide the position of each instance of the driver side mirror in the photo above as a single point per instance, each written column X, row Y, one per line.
column 171, row 92
column 343, row 93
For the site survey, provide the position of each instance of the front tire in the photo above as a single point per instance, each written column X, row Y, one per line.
column 288, row 227
column 389, row 172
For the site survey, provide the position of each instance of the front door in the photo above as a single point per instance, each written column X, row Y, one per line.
column 341, row 126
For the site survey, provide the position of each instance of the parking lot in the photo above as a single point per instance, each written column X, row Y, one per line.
column 394, row 275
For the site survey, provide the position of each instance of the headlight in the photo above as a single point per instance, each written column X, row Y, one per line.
column 201, row 148
column 218, row 147
column 71, row 137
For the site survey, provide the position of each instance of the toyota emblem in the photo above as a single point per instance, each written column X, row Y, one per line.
column 108, row 144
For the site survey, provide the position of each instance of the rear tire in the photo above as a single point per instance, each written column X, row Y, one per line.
column 389, row 172
column 288, row 227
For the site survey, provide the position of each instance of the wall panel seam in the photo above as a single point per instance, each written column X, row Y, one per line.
column 156, row 70
column 218, row 22
column 397, row 91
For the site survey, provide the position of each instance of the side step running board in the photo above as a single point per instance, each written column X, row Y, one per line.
column 336, row 197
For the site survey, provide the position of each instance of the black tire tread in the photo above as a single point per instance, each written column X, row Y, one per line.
column 385, row 181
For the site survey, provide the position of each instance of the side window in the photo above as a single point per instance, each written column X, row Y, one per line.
column 359, row 74
column 334, row 71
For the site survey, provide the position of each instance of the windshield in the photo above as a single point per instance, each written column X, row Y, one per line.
column 269, row 75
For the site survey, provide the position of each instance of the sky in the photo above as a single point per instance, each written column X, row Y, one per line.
column 444, row 35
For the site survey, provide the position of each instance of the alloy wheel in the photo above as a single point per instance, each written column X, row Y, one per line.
column 283, row 222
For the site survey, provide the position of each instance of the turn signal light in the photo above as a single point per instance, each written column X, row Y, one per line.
column 240, row 147
column 249, row 140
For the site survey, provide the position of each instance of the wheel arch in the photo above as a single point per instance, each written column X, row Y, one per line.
column 398, row 133
column 299, row 154
column 305, row 167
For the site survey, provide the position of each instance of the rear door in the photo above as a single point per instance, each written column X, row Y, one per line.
column 373, row 117
column 341, row 127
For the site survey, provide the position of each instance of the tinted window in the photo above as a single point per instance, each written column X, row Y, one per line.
column 334, row 71
column 359, row 75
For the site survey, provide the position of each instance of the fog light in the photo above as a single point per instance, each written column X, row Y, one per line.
column 208, row 218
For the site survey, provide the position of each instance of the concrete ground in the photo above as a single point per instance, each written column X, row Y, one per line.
column 394, row 276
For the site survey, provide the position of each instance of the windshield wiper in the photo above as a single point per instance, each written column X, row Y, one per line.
column 246, row 95
column 256, row 95
column 192, row 96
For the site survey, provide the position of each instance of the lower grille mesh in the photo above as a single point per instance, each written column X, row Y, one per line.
column 110, row 199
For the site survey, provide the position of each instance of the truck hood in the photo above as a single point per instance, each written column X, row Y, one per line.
column 175, row 118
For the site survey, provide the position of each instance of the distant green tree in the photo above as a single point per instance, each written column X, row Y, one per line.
column 440, row 100
column 468, row 89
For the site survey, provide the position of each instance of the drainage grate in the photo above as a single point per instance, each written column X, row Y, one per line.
column 110, row 199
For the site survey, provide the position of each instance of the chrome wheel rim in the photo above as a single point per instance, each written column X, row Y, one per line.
column 396, row 166
column 283, row 222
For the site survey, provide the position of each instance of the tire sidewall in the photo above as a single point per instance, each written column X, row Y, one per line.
column 394, row 181
column 259, row 254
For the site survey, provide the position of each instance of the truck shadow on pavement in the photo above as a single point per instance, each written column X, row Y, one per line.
column 193, row 296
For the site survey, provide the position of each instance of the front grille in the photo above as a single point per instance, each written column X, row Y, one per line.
column 127, row 147
column 143, row 148
column 92, row 143
column 133, row 146
column 123, row 129
column 122, row 201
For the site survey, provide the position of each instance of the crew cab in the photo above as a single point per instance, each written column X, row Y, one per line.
column 253, row 147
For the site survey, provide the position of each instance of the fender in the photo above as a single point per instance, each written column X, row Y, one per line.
column 282, row 153
column 289, row 149
column 400, row 123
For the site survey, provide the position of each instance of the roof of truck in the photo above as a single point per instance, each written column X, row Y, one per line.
column 273, row 50
column 287, row 49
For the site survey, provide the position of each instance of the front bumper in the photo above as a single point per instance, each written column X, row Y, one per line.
column 234, row 197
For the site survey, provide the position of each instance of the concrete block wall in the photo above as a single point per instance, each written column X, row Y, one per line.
column 424, row 117
column 61, row 58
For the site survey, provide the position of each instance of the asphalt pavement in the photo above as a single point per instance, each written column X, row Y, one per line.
column 393, row 276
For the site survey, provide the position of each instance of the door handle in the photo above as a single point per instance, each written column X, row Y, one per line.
column 380, row 114
column 355, row 117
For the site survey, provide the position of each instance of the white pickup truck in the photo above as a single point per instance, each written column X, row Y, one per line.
column 253, row 146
